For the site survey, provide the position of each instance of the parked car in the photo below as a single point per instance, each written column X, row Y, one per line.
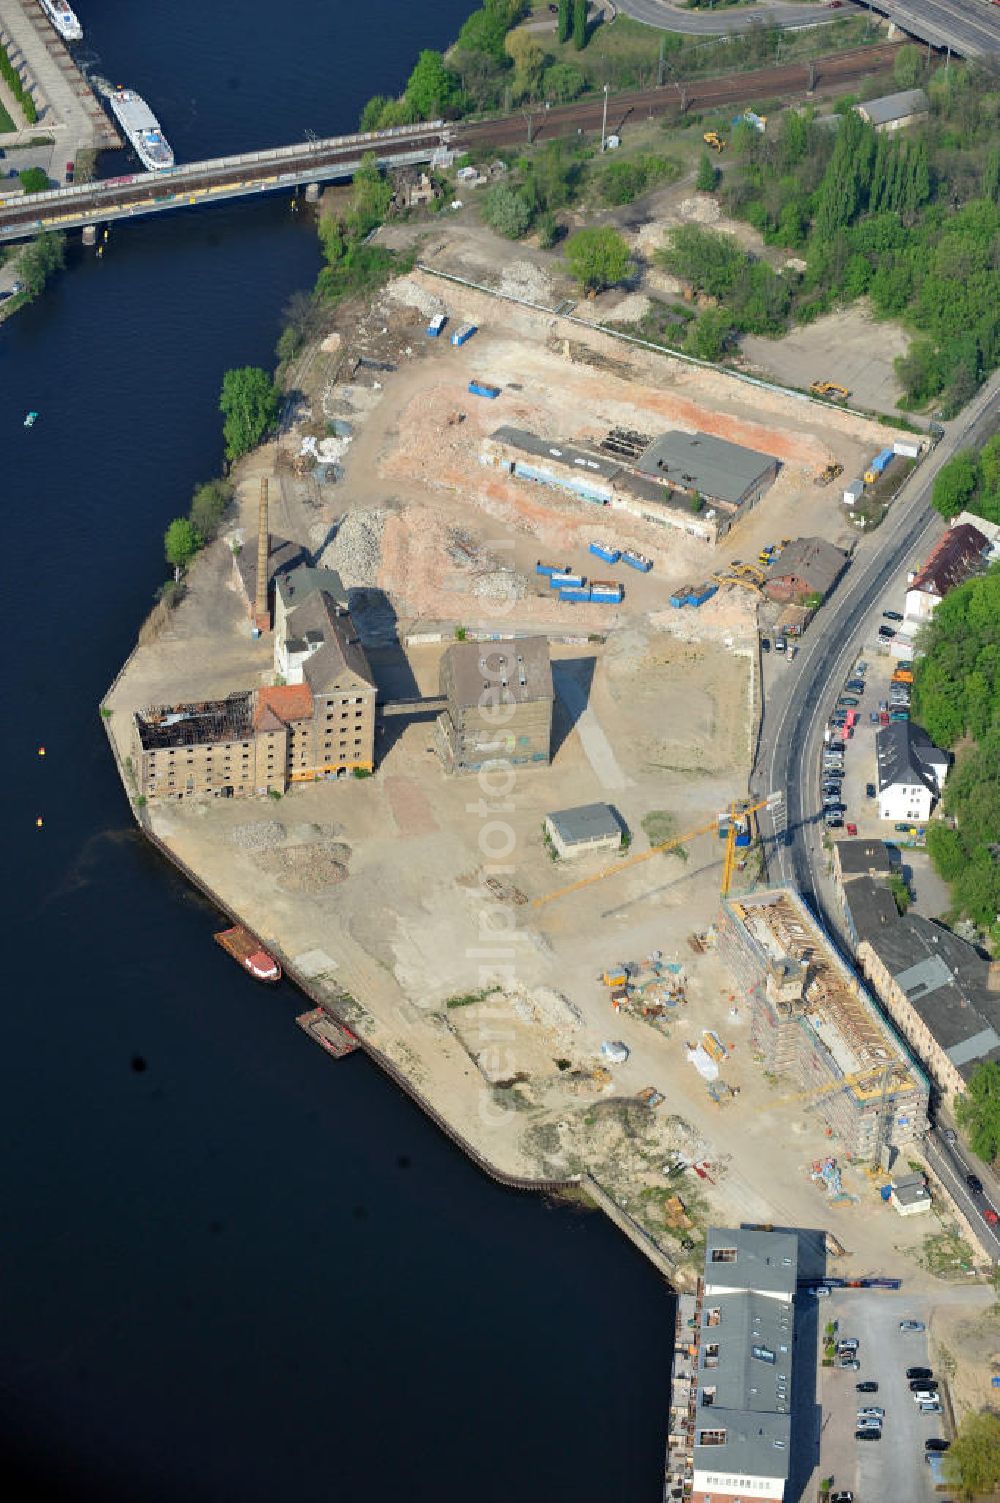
column 861, row 668
column 883, row 717
column 893, row 615
column 937, row 1445
column 855, row 685
column 868, row 1386
column 821, row 1292
column 918, row 1372
column 912, row 1325
column 868, row 1435
column 845, row 1495
column 850, row 1365
column 923, row 1390
column 886, row 633
column 852, row 830
column 870, row 790
column 834, row 822
column 765, row 644
column 848, row 1344
column 930, row 1406
column 847, row 702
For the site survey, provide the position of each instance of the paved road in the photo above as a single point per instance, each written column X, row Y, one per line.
column 794, row 717
column 969, row 27
column 714, row 23
column 951, row 1164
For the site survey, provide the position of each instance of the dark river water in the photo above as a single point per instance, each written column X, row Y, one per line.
column 231, row 1268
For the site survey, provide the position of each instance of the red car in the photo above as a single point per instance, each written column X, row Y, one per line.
column 991, row 1216
column 852, row 829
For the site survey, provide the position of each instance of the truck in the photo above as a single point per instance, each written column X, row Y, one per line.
column 607, row 591
column 878, row 466
column 902, row 676
column 609, row 554
column 436, row 324
column 463, row 334
column 636, row 560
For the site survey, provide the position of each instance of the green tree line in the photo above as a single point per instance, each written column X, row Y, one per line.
column 912, row 222
column 12, row 79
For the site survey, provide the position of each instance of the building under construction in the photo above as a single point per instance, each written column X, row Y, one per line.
column 813, row 1021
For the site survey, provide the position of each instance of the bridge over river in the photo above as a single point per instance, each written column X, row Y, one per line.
column 309, row 163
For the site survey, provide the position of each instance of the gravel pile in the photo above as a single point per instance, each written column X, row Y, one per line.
column 500, row 586
column 356, row 551
column 525, row 280
column 411, row 295
column 309, row 868
column 263, row 835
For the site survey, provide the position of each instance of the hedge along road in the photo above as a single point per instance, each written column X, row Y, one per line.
column 716, row 23
column 793, row 722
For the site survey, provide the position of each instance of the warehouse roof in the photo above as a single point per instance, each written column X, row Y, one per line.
column 304, row 580
column 742, row 1258
column 813, row 562
column 568, row 456
column 281, row 557
column 894, row 107
column 871, row 908
column 720, row 470
column 585, row 823
column 953, row 559
column 949, row 984
column 904, row 753
column 320, row 620
column 518, row 672
column 857, row 857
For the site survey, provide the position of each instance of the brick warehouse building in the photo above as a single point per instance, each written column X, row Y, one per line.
column 499, row 704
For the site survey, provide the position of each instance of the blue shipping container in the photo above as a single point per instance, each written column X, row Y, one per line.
column 700, row 594
column 603, row 550
column 541, row 568
column 574, row 592
column 462, row 335
column 637, row 561
column 605, row 594
column 560, row 577
column 480, row 389
column 436, row 324
column 680, row 597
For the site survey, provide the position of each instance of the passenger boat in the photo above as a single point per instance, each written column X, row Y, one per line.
column 63, row 19
column 142, row 129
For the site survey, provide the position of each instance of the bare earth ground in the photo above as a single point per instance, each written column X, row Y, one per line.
column 377, row 888
column 850, row 347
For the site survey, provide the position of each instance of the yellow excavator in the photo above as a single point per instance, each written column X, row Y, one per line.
column 829, row 389
column 713, row 139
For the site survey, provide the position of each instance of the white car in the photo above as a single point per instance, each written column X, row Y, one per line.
column 872, row 1412
column 929, row 1406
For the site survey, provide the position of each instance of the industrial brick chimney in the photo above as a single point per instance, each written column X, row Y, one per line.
column 261, row 607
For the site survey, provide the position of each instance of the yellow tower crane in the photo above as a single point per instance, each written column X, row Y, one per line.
column 877, row 1077
column 738, row 814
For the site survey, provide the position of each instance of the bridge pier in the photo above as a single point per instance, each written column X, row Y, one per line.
column 90, row 234
column 312, row 193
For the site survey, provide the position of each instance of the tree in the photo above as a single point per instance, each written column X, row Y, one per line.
column 991, row 176
column 708, row 335
column 954, row 485
column 708, row 174
column 580, row 33
column 431, row 89
column 34, row 180
column 249, row 404
column 42, row 257
column 506, row 211
column 526, row 53
column 598, row 258
column 208, row 506
column 563, row 81
column 946, row 850
column 908, row 67
column 181, row 542
column 565, row 22
column 900, row 891
column 973, row 1463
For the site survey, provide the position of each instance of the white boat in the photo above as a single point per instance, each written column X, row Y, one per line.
column 142, row 129
column 63, row 19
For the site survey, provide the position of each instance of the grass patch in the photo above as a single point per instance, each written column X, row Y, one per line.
column 466, row 999
column 6, row 123
column 659, row 825
column 946, row 1255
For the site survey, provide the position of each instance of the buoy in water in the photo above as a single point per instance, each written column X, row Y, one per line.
column 41, row 751
column 38, row 822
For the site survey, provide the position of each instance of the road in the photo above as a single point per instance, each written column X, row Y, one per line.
column 970, row 28
column 951, row 1167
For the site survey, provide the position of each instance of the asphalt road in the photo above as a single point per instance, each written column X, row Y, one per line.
column 714, row 23
column 969, row 27
column 951, row 1167
column 794, row 717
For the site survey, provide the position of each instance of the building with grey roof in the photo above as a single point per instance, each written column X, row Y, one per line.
column 745, row 1352
column 942, row 995
column 869, row 908
column 720, row 472
column 589, row 827
column 910, row 771
column 861, row 856
column 894, row 111
column 498, row 704
column 806, row 567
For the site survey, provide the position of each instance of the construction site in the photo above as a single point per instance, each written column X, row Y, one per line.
column 562, row 1020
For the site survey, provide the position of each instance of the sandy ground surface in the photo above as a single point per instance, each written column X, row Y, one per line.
column 379, row 888
column 849, row 347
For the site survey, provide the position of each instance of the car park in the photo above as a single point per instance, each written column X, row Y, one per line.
column 868, row 1386
column 912, row 1325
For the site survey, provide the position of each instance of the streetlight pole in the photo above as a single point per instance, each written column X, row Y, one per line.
column 604, row 120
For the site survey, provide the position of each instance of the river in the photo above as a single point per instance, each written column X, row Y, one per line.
column 231, row 1267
